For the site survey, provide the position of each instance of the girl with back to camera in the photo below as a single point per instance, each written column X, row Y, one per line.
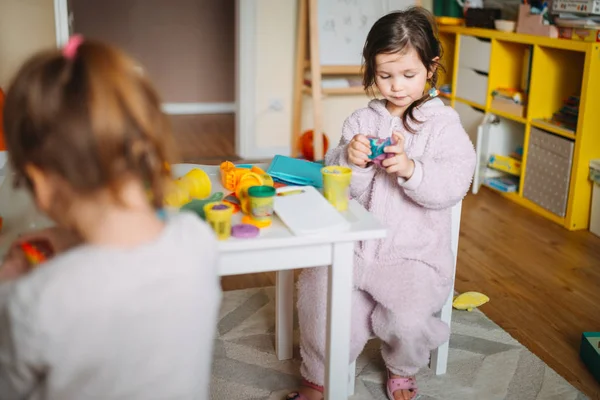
column 403, row 280
column 126, row 305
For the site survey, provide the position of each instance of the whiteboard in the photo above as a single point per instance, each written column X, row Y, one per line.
column 344, row 25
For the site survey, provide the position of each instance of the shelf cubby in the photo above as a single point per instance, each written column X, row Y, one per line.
column 511, row 63
column 497, row 136
column 448, row 42
column 556, row 74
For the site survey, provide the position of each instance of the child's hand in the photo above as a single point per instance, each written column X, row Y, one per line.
column 359, row 150
column 14, row 264
column 49, row 241
column 399, row 164
column 57, row 239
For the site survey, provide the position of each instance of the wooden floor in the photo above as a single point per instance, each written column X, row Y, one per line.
column 543, row 281
column 207, row 139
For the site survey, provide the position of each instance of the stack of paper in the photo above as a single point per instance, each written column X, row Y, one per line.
column 306, row 212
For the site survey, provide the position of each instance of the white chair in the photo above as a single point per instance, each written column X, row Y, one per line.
column 284, row 311
column 439, row 356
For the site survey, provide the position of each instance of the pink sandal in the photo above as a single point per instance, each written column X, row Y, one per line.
column 299, row 396
column 395, row 384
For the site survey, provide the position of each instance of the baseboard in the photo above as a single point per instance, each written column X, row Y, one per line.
column 264, row 153
column 198, row 108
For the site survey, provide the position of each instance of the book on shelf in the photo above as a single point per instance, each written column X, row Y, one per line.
column 506, row 184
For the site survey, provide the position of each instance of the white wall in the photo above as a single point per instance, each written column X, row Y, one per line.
column 275, row 50
column 25, row 28
column 275, row 62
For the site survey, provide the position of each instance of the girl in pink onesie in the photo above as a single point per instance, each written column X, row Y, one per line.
column 403, row 280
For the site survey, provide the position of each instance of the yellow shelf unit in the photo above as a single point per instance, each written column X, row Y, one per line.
column 558, row 68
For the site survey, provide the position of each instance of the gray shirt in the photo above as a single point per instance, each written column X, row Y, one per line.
column 107, row 323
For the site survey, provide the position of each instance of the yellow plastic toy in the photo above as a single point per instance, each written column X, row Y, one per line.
column 246, row 182
column 193, row 185
column 469, row 300
column 239, row 179
column 231, row 174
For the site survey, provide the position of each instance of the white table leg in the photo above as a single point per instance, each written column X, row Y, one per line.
column 284, row 314
column 351, row 378
column 338, row 321
column 439, row 356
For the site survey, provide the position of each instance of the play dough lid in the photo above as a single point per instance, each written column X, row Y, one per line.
column 469, row 300
column 244, row 231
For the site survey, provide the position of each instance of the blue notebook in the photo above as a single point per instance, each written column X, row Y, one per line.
column 294, row 171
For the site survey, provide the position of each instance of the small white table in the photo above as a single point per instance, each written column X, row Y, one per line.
column 277, row 249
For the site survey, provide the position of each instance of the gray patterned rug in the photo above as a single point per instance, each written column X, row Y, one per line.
column 486, row 363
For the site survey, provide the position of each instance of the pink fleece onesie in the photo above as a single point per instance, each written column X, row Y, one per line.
column 403, row 280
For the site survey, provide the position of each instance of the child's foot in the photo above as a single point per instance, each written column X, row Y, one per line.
column 401, row 387
column 306, row 393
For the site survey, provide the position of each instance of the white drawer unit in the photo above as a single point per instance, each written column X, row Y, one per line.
column 475, row 53
column 472, row 85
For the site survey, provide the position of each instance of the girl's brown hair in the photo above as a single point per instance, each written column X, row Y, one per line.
column 90, row 118
column 397, row 32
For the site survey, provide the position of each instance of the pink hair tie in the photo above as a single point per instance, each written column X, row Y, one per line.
column 70, row 49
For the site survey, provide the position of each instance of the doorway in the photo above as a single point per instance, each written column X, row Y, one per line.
column 188, row 49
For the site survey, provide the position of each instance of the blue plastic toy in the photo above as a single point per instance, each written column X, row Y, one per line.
column 377, row 146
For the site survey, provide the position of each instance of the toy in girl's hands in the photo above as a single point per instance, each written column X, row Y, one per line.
column 37, row 251
column 377, row 149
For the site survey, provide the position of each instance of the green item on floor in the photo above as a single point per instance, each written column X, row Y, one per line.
column 197, row 206
column 590, row 352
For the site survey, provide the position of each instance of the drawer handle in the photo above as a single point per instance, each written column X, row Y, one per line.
column 478, row 72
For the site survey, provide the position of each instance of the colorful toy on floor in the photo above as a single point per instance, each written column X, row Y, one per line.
column 469, row 300
column 306, row 144
column 193, row 185
column 589, row 352
column 218, row 215
column 377, row 149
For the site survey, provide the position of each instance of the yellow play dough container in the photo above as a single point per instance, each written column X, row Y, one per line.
column 336, row 186
column 218, row 216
